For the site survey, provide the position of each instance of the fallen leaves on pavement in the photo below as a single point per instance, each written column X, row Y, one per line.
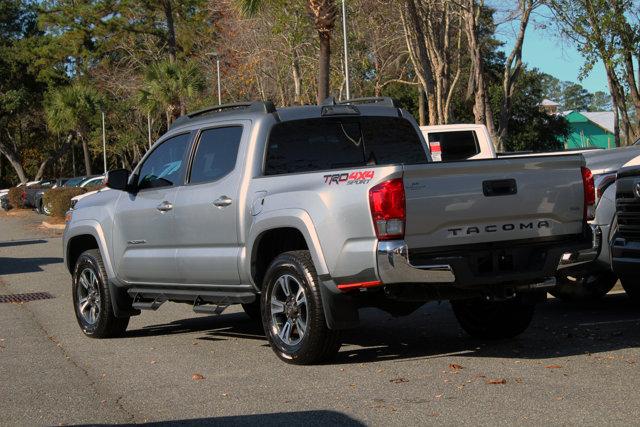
column 197, row 377
column 497, row 381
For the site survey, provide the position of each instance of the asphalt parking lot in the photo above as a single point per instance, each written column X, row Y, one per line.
column 577, row 364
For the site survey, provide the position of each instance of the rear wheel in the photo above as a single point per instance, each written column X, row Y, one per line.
column 92, row 300
column 292, row 312
column 589, row 286
column 631, row 285
column 493, row 319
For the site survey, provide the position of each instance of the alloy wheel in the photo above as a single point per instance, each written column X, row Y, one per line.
column 289, row 310
column 88, row 292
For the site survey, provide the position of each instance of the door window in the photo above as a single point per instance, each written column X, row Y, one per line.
column 163, row 167
column 216, row 154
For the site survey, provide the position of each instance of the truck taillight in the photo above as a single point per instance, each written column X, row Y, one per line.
column 388, row 209
column 589, row 193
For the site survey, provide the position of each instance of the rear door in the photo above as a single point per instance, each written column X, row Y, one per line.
column 144, row 224
column 206, row 209
column 485, row 201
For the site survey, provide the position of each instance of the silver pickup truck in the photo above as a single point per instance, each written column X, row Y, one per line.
column 305, row 214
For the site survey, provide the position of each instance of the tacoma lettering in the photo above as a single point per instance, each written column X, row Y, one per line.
column 493, row 228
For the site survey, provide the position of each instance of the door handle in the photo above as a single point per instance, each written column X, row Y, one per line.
column 164, row 206
column 222, row 201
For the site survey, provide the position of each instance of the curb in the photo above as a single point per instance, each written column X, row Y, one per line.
column 45, row 224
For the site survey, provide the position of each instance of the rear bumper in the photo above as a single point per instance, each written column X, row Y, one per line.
column 508, row 263
column 394, row 266
column 586, row 256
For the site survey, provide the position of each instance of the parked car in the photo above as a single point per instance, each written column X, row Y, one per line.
column 40, row 206
column 584, row 274
column 96, row 182
column 305, row 214
column 31, row 193
column 625, row 246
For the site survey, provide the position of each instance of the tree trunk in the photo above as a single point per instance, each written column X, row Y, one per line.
column 14, row 161
column 422, row 116
column 481, row 108
column 52, row 156
column 171, row 31
column 511, row 73
column 297, row 79
column 87, row 157
column 323, row 67
column 419, row 55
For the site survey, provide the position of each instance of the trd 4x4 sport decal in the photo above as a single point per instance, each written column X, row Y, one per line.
column 349, row 178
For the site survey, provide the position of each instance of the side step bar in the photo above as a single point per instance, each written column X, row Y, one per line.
column 204, row 300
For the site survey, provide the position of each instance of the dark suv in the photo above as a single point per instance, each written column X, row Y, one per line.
column 625, row 248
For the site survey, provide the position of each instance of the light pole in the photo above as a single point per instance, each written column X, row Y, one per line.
column 149, row 127
column 218, row 72
column 104, row 144
column 346, row 49
column 216, row 55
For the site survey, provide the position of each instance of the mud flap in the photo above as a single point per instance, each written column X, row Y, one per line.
column 340, row 310
column 121, row 302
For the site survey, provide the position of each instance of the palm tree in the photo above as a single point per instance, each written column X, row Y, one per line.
column 75, row 110
column 168, row 86
column 324, row 14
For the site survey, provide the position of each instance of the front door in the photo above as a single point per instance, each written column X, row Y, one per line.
column 207, row 210
column 144, row 226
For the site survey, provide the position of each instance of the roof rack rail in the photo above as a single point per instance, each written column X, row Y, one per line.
column 380, row 100
column 266, row 107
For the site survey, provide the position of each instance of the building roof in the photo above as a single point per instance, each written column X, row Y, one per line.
column 549, row 103
column 604, row 119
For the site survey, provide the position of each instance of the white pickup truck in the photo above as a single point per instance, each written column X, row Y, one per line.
column 582, row 275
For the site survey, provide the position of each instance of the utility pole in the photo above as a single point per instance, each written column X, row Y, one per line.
column 218, row 71
column 149, row 127
column 104, row 144
column 346, row 49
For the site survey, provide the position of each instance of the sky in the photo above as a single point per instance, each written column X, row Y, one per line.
column 543, row 49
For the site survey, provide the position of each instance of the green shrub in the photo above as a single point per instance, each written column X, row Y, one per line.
column 16, row 197
column 59, row 199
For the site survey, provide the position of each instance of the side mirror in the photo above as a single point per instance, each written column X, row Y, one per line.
column 118, row 179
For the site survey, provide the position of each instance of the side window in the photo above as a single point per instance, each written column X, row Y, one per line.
column 458, row 145
column 164, row 165
column 313, row 145
column 216, row 154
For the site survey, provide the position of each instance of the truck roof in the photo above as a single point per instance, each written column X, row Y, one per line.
column 258, row 109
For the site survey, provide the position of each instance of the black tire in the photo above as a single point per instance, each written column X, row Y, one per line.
column 319, row 343
column 493, row 319
column 631, row 285
column 252, row 310
column 105, row 324
column 588, row 287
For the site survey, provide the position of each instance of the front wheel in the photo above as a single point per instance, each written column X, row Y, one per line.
column 493, row 319
column 631, row 285
column 292, row 312
column 92, row 300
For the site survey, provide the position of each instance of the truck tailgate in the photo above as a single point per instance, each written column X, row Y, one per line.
column 486, row 201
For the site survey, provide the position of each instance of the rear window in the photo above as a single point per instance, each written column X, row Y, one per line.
column 341, row 142
column 458, row 145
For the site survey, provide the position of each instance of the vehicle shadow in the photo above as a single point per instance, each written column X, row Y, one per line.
column 25, row 265
column 11, row 243
column 559, row 329
column 306, row 418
